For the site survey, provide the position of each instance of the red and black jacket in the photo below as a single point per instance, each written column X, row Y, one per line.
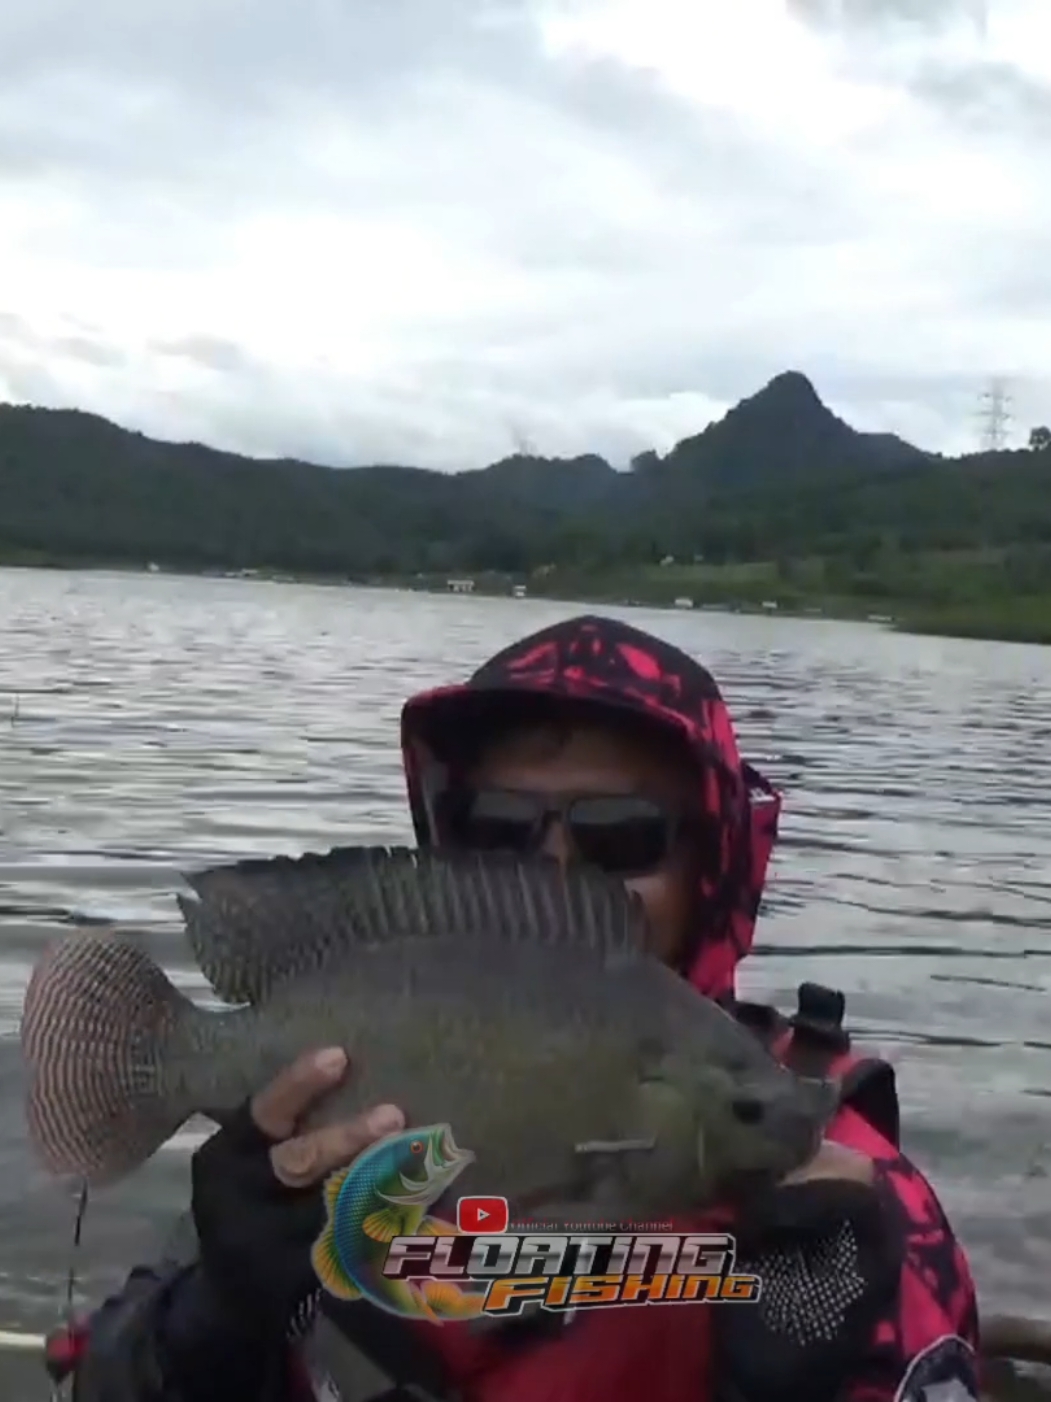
column 913, row 1327
column 673, row 1354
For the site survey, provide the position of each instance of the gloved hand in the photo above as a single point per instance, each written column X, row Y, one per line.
column 257, row 1203
column 829, row 1255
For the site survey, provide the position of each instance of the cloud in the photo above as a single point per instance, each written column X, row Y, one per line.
column 407, row 231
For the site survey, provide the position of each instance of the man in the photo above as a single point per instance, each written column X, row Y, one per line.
column 597, row 743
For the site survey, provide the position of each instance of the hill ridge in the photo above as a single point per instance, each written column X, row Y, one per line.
column 778, row 475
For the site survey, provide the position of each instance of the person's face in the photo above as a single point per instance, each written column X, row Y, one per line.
column 595, row 762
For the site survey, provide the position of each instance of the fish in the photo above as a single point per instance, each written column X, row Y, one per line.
column 387, row 1195
column 503, row 995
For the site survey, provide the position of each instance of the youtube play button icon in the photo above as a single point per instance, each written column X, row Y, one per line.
column 483, row 1216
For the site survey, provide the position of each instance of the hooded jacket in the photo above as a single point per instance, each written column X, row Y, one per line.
column 867, row 1297
column 595, row 663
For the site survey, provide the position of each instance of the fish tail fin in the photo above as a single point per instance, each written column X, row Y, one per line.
column 97, row 1018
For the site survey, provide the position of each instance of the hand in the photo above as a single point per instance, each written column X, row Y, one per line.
column 829, row 1258
column 256, row 1200
column 835, row 1162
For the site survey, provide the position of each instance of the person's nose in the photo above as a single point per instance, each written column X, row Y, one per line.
column 556, row 842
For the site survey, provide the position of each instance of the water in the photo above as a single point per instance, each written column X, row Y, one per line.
column 149, row 723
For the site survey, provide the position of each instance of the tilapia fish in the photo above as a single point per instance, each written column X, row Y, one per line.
column 506, row 997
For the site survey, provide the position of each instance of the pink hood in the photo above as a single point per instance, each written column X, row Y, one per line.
column 607, row 663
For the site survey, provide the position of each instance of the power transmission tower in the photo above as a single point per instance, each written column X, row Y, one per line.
column 994, row 415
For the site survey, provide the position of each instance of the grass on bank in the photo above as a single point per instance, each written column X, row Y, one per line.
column 1002, row 595
column 992, row 594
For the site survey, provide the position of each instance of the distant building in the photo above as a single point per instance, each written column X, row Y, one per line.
column 519, row 591
column 460, row 586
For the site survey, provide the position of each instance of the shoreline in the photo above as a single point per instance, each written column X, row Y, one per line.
column 1024, row 620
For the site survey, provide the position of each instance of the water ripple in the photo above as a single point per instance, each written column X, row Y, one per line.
column 150, row 724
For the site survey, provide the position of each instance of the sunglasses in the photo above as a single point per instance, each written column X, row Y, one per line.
column 623, row 834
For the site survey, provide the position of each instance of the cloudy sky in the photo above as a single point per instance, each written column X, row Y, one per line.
column 431, row 230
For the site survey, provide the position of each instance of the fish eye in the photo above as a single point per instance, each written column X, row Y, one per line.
column 416, row 1147
column 747, row 1110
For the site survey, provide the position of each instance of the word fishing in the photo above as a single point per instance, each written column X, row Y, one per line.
column 585, row 1271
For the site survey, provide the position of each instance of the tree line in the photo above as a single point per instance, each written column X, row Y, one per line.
column 779, row 479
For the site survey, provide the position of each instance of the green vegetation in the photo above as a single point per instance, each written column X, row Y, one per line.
column 779, row 503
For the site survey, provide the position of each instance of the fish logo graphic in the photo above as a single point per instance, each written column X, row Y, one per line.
column 386, row 1193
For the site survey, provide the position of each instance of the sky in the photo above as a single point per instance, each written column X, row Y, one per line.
column 440, row 231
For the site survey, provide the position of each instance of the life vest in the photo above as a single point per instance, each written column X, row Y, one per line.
column 662, row 1354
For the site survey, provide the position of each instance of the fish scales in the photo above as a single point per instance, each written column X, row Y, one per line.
column 503, row 996
column 496, row 1060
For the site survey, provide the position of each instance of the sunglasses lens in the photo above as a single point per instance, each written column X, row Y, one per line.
column 494, row 821
column 622, row 835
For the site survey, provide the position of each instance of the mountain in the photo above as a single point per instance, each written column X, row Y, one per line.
column 778, row 474
column 782, row 433
column 558, row 484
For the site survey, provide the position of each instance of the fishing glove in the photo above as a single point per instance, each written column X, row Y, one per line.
column 255, row 1233
column 830, row 1264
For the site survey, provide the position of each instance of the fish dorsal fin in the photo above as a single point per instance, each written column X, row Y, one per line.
column 253, row 923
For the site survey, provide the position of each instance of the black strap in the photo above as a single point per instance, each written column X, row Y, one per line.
column 818, row 1038
column 763, row 1021
column 396, row 1349
column 870, row 1089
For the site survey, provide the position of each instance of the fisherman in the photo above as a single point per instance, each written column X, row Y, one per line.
column 601, row 744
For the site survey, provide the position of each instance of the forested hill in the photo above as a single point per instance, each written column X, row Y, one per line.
column 780, row 476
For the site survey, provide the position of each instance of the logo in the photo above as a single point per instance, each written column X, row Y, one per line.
column 481, row 1216
column 574, row 1271
column 382, row 1244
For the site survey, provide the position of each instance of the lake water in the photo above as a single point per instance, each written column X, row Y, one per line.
column 150, row 723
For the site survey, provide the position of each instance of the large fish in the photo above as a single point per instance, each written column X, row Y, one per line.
column 508, row 998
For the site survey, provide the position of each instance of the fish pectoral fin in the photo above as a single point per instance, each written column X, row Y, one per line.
column 434, row 1226
column 384, row 1224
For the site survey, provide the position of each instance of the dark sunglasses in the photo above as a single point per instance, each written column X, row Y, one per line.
column 623, row 834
